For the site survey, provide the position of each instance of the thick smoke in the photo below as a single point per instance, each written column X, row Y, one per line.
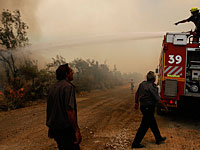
column 27, row 9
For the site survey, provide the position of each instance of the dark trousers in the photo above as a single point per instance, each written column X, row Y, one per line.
column 148, row 121
column 65, row 139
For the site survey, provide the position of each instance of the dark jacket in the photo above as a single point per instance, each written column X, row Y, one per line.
column 148, row 93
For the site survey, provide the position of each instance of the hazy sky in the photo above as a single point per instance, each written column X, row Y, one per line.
column 104, row 30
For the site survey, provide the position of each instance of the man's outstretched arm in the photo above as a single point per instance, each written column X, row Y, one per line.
column 182, row 21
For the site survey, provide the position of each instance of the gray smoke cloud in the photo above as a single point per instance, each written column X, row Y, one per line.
column 113, row 30
column 27, row 9
column 127, row 33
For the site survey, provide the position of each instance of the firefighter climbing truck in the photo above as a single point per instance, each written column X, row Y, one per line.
column 179, row 68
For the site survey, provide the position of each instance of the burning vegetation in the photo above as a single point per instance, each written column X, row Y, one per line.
column 24, row 81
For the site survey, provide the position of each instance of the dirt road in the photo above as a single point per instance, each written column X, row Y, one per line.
column 107, row 121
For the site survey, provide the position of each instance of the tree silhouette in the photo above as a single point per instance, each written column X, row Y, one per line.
column 12, row 35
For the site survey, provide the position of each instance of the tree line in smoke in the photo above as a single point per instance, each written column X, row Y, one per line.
column 23, row 81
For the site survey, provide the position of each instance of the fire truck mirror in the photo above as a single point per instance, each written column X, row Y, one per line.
column 156, row 71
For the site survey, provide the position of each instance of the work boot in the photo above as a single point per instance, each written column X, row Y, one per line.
column 162, row 139
column 137, row 146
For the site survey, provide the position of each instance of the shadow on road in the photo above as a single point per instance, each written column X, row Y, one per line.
column 187, row 113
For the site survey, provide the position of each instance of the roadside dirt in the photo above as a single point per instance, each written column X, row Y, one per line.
column 107, row 121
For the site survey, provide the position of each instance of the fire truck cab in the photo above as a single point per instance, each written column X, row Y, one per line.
column 179, row 68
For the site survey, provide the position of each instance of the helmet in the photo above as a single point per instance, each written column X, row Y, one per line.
column 194, row 9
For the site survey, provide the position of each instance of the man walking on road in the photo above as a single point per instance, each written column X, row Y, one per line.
column 147, row 95
column 62, row 111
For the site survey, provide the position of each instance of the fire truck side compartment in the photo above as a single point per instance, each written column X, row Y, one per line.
column 193, row 72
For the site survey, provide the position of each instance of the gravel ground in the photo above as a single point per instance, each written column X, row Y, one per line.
column 107, row 120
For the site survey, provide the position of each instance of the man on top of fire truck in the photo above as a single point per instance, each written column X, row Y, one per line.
column 195, row 18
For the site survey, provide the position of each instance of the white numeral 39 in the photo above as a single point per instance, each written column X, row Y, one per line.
column 178, row 59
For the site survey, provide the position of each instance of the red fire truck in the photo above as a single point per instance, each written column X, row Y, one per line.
column 179, row 68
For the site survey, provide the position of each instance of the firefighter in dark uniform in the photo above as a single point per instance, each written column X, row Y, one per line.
column 195, row 18
column 147, row 96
